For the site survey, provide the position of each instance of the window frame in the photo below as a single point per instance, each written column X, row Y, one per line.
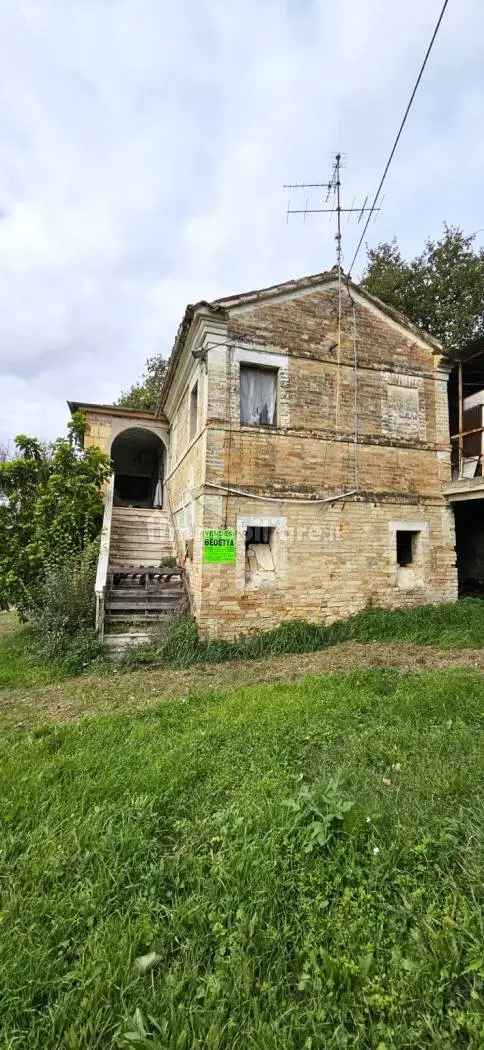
column 274, row 370
column 411, row 542
column 193, row 416
column 415, row 575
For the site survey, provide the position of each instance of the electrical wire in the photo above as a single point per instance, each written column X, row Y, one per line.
column 402, row 125
column 278, row 499
column 355, row 382
column 229, row 453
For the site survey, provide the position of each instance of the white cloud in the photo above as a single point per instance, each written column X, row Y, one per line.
column 143, row 148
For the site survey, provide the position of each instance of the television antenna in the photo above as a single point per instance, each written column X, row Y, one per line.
column 333, row 189
column 333, row 198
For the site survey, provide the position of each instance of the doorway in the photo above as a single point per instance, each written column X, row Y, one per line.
column 138, row 458
column 469, row 545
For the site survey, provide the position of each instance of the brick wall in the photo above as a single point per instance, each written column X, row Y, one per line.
column 98, row 431
column 340, row 558
column 337, row 558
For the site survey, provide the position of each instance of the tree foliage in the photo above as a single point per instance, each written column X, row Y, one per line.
column 50, row 509
column 144, row 396
column 441, row 290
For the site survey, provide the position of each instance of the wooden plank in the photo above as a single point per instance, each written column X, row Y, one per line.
column 465, row 433
column 153, row 570
column 156, row 617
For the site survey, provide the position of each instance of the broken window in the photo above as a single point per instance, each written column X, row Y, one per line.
column 193, row 411
column 258, row 534
column 258, row 388
column 406, row 547
column 260, row 569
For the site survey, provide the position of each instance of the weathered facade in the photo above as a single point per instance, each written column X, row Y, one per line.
column 312, row 421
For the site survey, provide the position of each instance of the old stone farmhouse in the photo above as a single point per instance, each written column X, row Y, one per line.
column 298, row 467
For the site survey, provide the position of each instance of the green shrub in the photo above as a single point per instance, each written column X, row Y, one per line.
column 63, row 615
column 50, row 508
column 66, row 600
column 72, row 653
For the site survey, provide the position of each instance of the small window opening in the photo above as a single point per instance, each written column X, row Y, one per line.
column 193, row 411
column 406, row 547
column 260, row 569
column 258, row 534
column 258, row 390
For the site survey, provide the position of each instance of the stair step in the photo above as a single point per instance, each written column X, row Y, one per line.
column 124, row 564
column 143, row 556
column 140, row 523
column 143, row 594
column 140, row 528
column 156, row 549
column 126, row 604
column 140, row 617
column 139, row 515
column 147, row 536
column 118, row 644
column 160, row 575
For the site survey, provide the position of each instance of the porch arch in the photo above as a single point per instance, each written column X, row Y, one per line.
column 139, row 458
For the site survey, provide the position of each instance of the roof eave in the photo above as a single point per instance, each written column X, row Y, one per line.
column 193, row 310
column 114, row 410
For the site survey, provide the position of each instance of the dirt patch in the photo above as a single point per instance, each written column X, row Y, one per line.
column 77, row 697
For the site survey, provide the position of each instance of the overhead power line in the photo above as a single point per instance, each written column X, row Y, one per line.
column 402, row 125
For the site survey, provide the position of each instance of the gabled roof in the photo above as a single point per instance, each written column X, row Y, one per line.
column 221, row 308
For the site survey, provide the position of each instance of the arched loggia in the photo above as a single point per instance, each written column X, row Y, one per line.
column 138, row 457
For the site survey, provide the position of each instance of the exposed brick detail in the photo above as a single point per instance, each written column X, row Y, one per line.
column 341, row 557
column 332, row 559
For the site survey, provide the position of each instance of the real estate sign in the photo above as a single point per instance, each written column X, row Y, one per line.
column 219, row 546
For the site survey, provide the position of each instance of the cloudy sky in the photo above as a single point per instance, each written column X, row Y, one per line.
column 143, row 148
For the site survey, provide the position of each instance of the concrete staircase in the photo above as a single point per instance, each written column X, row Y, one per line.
column 145, row 590
column 140, row 537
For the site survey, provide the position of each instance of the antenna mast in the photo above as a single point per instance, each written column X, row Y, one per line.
column 337, row 181
column 333, row 187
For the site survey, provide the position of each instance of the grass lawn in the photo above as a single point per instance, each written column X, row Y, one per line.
column 17, row 666
column 305, row 861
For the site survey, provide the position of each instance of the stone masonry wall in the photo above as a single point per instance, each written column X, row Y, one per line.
column 333, row 559
column 339, row 558
column 98, row 431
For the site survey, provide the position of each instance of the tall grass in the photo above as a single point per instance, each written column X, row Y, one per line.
column 458, row 625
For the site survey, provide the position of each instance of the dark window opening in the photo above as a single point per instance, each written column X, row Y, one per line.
column 258, row 534
column 194, row 411
column 258, row 391
column 405, row 547
column 260, row 567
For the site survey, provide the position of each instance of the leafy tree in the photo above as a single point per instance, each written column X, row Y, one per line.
column 145, row 395
column 50, row 509
column 441, row 290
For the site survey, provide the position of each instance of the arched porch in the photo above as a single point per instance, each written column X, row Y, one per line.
column 139, row 457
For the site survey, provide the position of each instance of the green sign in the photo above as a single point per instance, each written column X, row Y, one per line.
column 219, row 546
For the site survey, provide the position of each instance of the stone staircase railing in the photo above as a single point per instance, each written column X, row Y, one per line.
column 103, row 560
